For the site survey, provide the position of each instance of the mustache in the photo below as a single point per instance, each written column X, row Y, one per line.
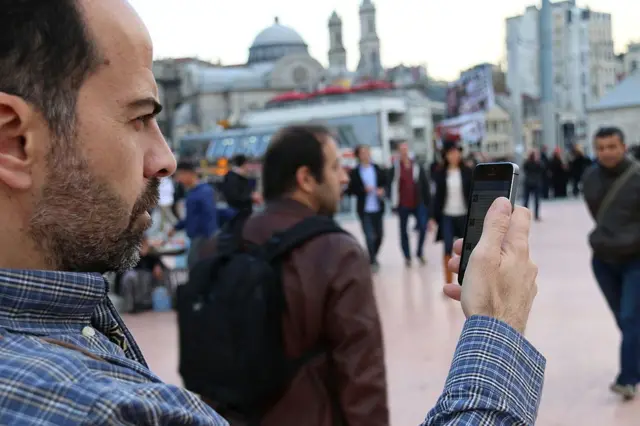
column 149, row 198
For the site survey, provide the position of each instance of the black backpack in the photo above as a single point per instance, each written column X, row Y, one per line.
column 230, row 319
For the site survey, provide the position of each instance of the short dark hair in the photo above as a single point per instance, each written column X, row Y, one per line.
column 187, row 166
column 291, row 148
column 46, row 54
column 358, row 149
column 239, row 160
column 607, row 132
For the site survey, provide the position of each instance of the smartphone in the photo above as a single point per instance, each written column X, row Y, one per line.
column 490, row 181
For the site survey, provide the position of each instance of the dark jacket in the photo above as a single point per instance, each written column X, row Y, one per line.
column 533, row 173
column 617, row 238
column 440, row 198
column 329, row 293
column 201, row 220
column 357, row 189
column 237, row 191
column 420, row 178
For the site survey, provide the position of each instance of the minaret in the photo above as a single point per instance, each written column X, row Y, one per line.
column 369, row 65
column 337, row 52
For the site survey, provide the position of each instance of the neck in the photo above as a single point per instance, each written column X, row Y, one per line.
column 18, row 251
column 304, row 199
column 193, row 184
column 453, row 166
column 365, row 163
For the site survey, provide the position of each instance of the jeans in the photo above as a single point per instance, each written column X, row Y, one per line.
column 620, row 285
column 421, row 215
column 530, row 190
column 373, row 229
column 452, row 227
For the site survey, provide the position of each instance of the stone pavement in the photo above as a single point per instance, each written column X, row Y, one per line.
column 570, row 325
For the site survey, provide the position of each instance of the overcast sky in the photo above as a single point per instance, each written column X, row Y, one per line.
column 445, row 36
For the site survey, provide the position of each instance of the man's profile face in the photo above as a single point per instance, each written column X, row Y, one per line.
column 610, row 150
column 91, row 212
column 329, row 192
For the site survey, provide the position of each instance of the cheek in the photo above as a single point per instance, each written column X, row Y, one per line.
column 112, row 157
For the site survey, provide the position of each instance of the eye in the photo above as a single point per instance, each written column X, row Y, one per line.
column 143, row 121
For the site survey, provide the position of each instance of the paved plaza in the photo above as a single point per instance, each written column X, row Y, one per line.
column 570, row 325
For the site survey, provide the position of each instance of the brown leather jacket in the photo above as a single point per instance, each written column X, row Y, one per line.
column 329, row 292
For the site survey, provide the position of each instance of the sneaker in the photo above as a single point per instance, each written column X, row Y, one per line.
column 407, row 262
column 422, row 260
column 627, row 392
column 375, row 267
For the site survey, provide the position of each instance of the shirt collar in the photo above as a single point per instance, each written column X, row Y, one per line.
column 42, row 300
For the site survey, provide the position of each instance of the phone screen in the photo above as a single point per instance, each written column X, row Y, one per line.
column 486, row 188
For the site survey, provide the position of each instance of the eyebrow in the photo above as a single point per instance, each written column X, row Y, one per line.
column 147, row 102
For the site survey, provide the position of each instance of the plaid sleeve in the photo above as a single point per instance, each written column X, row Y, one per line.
column 152, row 404
column 496, row 378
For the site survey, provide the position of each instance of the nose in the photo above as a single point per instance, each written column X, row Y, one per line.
column 344, row 177
column 159, row 161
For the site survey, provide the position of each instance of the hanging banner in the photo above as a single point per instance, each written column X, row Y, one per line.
column 472, row 92
column 469, row 128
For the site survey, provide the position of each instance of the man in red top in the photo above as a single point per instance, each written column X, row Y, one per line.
column 413, row 196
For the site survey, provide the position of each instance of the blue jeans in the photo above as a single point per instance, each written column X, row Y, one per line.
column 620, row 285
column 373, row 229
column 452, row 227
column 421, row 215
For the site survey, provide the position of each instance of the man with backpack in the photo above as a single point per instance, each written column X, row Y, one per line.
column 291, row 334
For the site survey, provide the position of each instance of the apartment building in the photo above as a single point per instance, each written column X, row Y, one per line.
column 584, row 63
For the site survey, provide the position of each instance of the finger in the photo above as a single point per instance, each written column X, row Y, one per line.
column 496, row 225
column 517, row 238
column 454, row 264
column 452, row 291
column 457, row 247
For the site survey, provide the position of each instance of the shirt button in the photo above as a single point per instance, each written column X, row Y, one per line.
column 88, row 332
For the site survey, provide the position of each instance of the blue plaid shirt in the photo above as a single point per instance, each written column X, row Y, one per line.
column 496, row 379
column 66, row 358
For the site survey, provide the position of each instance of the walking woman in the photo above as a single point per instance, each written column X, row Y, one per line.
column 533, row 176
column 453, row 185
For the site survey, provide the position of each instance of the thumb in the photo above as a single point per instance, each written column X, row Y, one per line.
column 496, row 224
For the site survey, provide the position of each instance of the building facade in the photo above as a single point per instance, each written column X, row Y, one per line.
column 584, row 64
column 199, row 95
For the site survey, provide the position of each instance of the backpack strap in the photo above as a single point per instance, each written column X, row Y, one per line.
column 281, row 243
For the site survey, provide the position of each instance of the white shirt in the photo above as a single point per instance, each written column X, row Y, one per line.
column 454, row 205
column 166, row 192
column 369, row 178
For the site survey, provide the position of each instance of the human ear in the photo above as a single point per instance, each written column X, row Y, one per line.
column 16, row 142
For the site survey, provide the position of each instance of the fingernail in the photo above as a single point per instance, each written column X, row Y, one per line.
column 502, row 205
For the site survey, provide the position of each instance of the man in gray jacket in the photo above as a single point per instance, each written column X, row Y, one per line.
column 612, row 192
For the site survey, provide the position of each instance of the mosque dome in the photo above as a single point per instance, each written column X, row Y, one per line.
column 275, row 42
